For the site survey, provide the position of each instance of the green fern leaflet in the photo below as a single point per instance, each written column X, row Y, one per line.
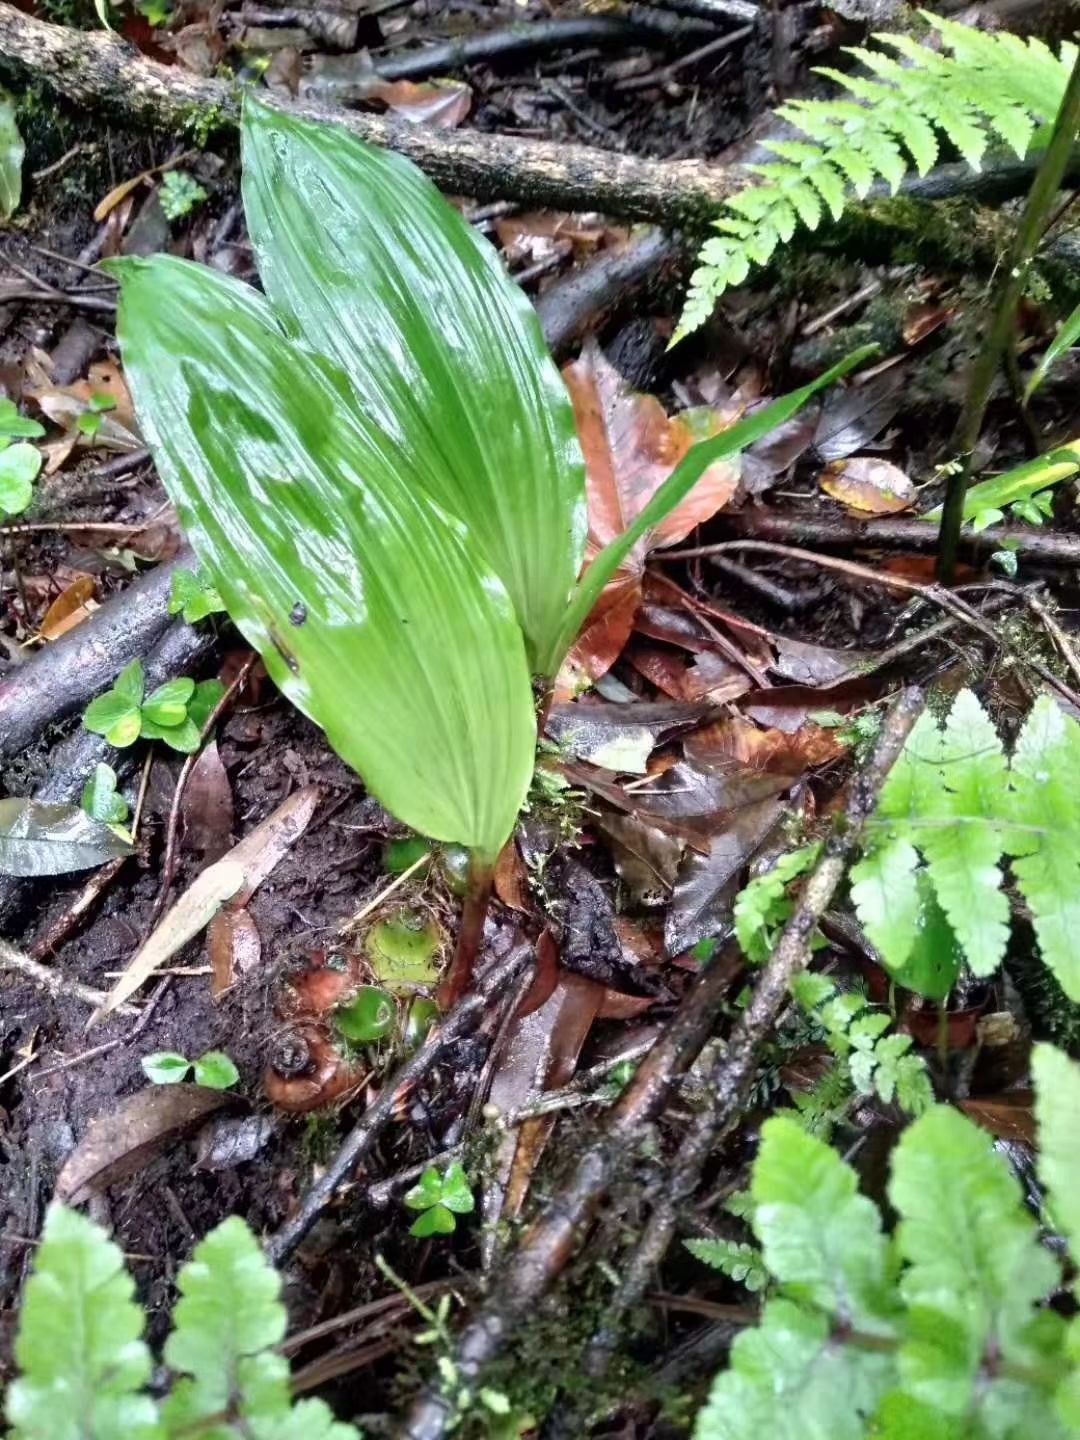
column 976, row 89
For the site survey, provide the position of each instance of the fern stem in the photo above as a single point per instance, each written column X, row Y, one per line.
column 1015, row 269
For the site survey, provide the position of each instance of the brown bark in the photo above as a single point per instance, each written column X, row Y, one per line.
column 102, row 71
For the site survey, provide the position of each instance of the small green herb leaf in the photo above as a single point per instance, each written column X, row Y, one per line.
column 179, row 194
column 100, row 799
column 114, row 716
column 168, row 705
column 456, row 1191
column 19, row 467
column 193, row 597
column 14, row 426
column 427, row 1192
column 165, row 1067
column 216, row 1070
column 436, row 1221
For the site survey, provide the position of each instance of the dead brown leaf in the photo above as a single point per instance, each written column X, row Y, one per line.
column 512, row 879
column 1010, row 1116
column 234, row 947
column 738, row 744
column 234, row 878
column 123, row 1141
column 869, row 485
column 442, row 104
column 207, row 807
column 631, row 445
column 70, row 608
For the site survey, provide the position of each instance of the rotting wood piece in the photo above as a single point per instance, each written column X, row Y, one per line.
column 100, row 70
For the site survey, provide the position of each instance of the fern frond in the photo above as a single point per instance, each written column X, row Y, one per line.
column 734, row 1258
column 978, row 89
column 956, row 804
column 80, row 1347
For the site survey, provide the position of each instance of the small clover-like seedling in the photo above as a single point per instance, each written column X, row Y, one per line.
column 20, row 463
column 100, row 798
column 89, row 422
column 176, row 712
column 193, row 597
column 214, row 1070
column 441, row 1198
column 179, row 194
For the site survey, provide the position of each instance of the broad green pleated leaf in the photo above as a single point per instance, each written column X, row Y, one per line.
column 372, row 267
column 367, row 604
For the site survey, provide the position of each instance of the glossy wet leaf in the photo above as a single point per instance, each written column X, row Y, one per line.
column 427, row 1192
column 1018, row 484
column 40, row 839
column 370, row 609
column 367, row 1016
column 935, row 958
column 403, row 951
column 100, row 799
column 374, row 269
column 12, row 151
column 456, row 1192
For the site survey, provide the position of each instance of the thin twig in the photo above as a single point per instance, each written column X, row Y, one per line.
column 935, row 594
column 555, row 1236
column 59, row 985
column 733, row 1074
column 370, row 1125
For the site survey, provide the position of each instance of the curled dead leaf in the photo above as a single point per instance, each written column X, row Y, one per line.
column 70, row 608
column 124, row 1140
column 869, row 485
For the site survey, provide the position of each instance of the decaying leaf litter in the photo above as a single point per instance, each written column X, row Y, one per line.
column 199, row 856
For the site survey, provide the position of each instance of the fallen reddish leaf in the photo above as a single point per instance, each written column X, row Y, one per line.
column 869, row 485
column 208, row 805
column 709, row 677
column 1010, row 1116
column 442, row 104
column 922, row 320
column 631, row 446
column 603, row 639
column 234, row 948
column 789, row 707
column 70, row 608
column 738, row 744
column 512, row 879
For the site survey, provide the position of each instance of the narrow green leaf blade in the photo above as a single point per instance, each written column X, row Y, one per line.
column 12, row 151
column 683, row 479
column 366, row 603
column 1057, row 1105
column 1064, row 340
column 374, row 269
column 80, row 1347
column 40, row 839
